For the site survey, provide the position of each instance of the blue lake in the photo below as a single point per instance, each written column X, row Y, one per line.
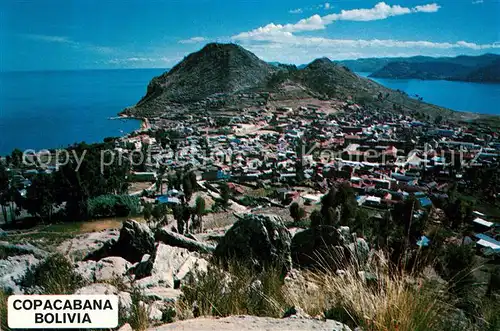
column 57, row 108
column 461, row 96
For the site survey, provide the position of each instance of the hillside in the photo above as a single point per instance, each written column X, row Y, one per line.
column 422, row 70
column 375, row 64
column 217, row 68
column 228, row 77
column 487, row 74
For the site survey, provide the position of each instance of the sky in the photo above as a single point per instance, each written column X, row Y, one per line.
column 114, row 34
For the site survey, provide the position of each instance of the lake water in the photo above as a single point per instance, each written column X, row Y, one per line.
column 461, row 96
column 55, row 109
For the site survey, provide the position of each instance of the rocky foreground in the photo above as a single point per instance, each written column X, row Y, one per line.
column 149, row 267
column 254, row 323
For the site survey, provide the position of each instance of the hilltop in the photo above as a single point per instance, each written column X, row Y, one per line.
column 229, row 77
column 217, row 68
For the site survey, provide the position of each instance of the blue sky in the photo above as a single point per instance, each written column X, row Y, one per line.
column 107, row 34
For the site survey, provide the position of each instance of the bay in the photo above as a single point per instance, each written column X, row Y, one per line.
column 460, row 96
column 53, row 109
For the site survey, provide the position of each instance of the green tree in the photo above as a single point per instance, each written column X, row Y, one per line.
column 40, row 198
column 16, row 158
column 297, row 212
column 187, row 187
column 316, row 218
column 4, row 190
column 159, row 181
column 147, row 211
column 225, row 194
column 200, row 211
column 159, row 213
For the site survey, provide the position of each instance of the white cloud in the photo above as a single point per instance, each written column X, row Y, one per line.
column 71, row 43
column 327, row 5
column 296, row 11
column 476, row 2
column 316, row 22
column 193, row 40
column 303, row 49
column 140, row 61
column 430, row 8
column 50, row 39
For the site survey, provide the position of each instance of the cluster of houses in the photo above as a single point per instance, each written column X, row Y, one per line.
column 384, row 155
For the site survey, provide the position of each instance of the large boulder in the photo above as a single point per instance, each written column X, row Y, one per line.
column 22, row 249
column 135, row 240
column 360, row 250
column 321, row 246
column 13, row 269
column 174, row 239
column 258, row 241
column 79, row 247
column 111, row 268
column 170, row 266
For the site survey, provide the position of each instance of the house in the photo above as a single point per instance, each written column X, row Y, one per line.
column 487, row 244
column 169, row 200
column 481, row 225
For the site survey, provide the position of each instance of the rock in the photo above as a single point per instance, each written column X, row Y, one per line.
column 174, row 239
column 253, row 323
column 125, row 301
column 126, row 327
column 98, row 288
column 81, row 246
column 258, row 240
column 111, row 268
column 162, row 294
column 124, row 298
column 13, row 269
column 135, row 240
column 168, row 263
column 296, row 312
column 360, row 251
column 87, row 270
column 143, row 269
column 108, row 248
column 23, row 249
column 319, row 247
column 192, row 263
column 155, row 311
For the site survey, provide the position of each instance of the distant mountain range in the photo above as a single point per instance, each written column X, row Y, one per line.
column 484, row 68
column 228, row 77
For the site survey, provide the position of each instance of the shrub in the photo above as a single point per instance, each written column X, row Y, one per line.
column 55, row 275
column 3, row 310
column 380, row 302
column 113, row 205
column 238, row 292
column 139, row 314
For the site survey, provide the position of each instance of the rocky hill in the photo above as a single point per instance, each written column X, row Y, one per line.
column 226, row 76
column 217, row 68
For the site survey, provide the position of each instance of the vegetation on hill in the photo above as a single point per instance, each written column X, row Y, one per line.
column 478, row 69
column 376, row 64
